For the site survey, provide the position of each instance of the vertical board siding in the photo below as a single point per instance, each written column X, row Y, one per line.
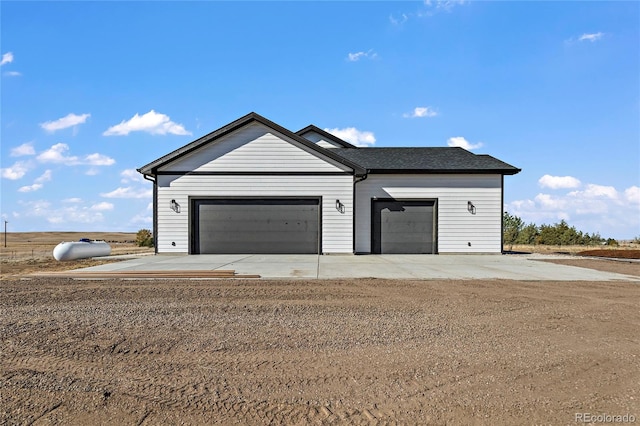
column 254, row 148
column 175, row 227
column 456, row 227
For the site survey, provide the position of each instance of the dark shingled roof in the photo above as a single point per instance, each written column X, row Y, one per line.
column 424, row 160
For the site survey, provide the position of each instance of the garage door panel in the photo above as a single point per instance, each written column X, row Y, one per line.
column 403, row 226
column 256, row 226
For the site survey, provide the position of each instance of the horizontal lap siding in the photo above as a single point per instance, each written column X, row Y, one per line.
column 456, row 226
column 336, row 226
column 254, row 148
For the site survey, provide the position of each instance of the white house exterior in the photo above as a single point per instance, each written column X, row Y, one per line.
column 255, row 187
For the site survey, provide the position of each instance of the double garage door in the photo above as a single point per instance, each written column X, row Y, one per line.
column 258, row 226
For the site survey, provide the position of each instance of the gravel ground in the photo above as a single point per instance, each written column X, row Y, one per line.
column 317, row 352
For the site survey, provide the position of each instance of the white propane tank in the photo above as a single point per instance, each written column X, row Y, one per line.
column 81, row 249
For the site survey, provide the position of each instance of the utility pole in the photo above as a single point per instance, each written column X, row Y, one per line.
column 5, row 234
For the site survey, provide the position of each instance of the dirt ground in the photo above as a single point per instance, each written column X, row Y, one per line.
column 317, row 352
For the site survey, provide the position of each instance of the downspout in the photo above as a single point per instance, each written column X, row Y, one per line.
column 353, row 224
column 501, row 214
column 155, row 210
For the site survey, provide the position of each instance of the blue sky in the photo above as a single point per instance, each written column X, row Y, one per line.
column 91, row 91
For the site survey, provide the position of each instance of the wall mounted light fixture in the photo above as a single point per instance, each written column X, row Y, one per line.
column 471, row 208
column 340, row 207
column 175, row 206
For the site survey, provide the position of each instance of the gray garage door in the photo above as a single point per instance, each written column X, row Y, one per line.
column 279, row 226
column 403, row 226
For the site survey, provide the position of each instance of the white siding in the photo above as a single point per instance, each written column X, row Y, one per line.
column 456, row 226
column 174, row 227
column 254, row 148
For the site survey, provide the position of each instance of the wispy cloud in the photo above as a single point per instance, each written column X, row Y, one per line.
column 459, row 141
column 591, row 37
column 401, row 19
column 151, row 122
column 7, row 58
column 419, row 112
column 12, row 74
column 22, row 150
column 38, row 183
column 369, row 54
column 558, row 182
column 131, row 176
column 70, row 120
column 73, row 212
column 354, row 136
column 57, row 154
column 128, row 192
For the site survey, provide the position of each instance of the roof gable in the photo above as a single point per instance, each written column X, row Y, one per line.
column 218, row 135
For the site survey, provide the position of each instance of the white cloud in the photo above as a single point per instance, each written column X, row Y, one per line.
column 151, row 122
column 98, row 160
column 22, row 150
column 101, row 206
column 557, row 182
column 354, row 136
column 459, row 141
column 591, row 37
column 370, row 54
column 128, row 192
column 596, row 208
column 596, row 191
column 70, row 120
column 7, row 58
column 92, row 172
column 632, row 194
column 15, row 172
column 58, row 154
column 131, row 175
column 419, row 112
column 12, row 73
column 30, row 188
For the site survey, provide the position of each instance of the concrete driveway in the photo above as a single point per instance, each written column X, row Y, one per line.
column 515, row 267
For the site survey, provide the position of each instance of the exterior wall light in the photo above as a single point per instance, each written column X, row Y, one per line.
column 340, row 207
column 175, row 206
column 471, row 208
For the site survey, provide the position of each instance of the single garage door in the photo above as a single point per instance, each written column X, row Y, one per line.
column 403, row 226
column 278, row 226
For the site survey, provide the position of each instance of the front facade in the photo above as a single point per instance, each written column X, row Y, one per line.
column 256, row 187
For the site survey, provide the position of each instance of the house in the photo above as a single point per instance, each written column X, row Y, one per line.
column 253, row 186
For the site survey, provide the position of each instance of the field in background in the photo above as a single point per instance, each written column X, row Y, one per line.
column 28, row 252
column 546, row 249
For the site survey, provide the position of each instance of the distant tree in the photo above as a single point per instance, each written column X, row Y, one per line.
column 528, row 234
column 144, row 238
column 511, row 225
column 612, row 242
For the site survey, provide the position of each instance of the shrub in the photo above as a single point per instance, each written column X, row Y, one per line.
column 144, row 238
